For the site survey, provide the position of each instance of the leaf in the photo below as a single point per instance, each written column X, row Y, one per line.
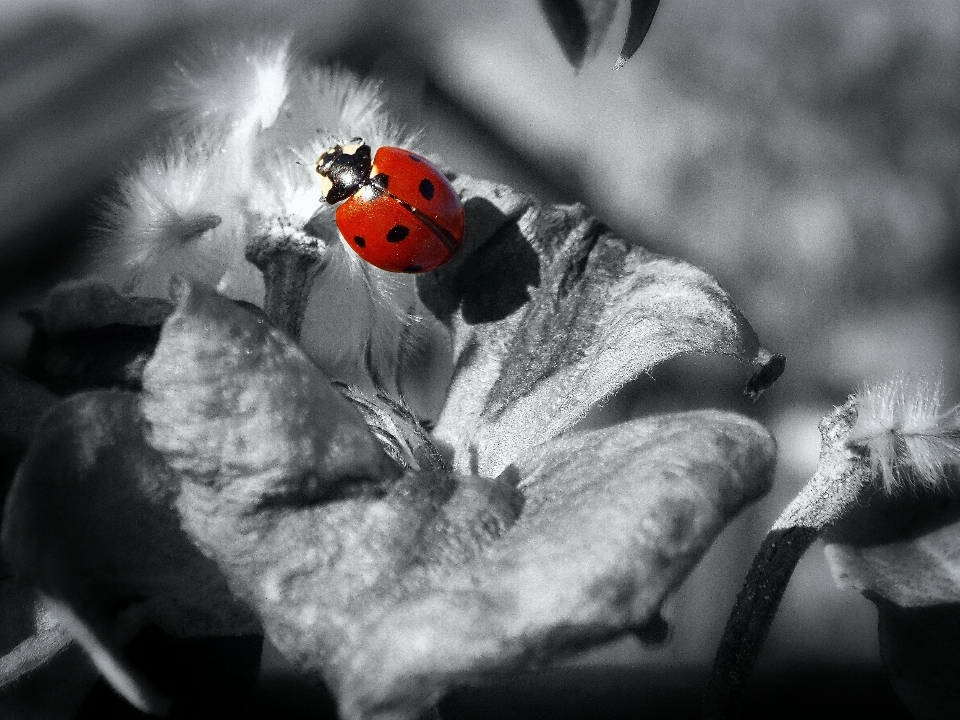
column 552, row 315
column 579, row 25
column 92, row 303
column 641, row 17
column 394, row 591
column 90, row 523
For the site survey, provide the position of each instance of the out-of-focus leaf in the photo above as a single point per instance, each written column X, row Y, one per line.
column 106, row 357
column 90, row 336
column 552, row 315
column 579, row 25
column 29, row 635
column 641, row 17
column 395, row 592
column 90, row 522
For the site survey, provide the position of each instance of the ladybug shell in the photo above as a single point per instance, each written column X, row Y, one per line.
column 384, row 228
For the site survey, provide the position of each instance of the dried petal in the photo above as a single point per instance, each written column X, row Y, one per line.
column 905, row 548
column 552, row 315
column 233, row 403
column 612, row 521
column 391, row 597
column 900, row 544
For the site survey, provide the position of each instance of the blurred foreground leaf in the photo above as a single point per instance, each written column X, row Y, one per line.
column 641, row 17
column 90, row 522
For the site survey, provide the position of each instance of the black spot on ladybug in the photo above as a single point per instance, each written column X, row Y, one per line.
column 381, row 180
column 414, row 158
column 426, row 188
column 359, row 241
column 413, row 268
column 397, row 233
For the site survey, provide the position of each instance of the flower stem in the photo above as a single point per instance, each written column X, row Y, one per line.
column 289, row 260
column 749, row 623
column 841, row 476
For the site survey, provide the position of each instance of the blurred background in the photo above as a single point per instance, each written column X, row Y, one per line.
column 805, row 153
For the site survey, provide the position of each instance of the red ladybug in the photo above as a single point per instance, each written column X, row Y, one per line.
column 401, row 214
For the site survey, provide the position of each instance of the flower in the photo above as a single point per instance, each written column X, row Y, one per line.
column 398, row 494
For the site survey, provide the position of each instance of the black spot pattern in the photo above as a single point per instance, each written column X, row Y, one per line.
column 426, row 189
column 413, row 268
column 397, row 233
column 359, row 241
column 414, row 158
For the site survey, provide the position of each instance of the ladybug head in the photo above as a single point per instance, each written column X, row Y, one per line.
column 343, row 169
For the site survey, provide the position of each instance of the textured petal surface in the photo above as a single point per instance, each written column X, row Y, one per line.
column 395, row 590
column 612, row 521
column 552, row 315
column 233, row 403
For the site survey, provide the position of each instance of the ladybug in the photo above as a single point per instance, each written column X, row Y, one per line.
column 401, row 214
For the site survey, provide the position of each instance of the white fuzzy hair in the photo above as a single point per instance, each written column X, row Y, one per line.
column 911, row 440
column 250, row 121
